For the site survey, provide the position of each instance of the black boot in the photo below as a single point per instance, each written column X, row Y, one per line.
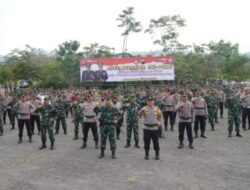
column 65, row 131
column 166, row 128
column 1, row 132
column 196, row 134
column 238, row 134
column 20, row 140
column 76, row 137
column 181, row 145
column 30, row 139
column 157, row 155
column 146, row 154
column 43, row 146
column 202, row 135
column 230, row 133
column 96, row 145
column 127, row 145
column 57, row 132
column 113, row 154
column 212, row 127
column 191, row 145
column 137, row 145
column 172, row 128
column 52, row 145
column 84, row 145
column 102, row 154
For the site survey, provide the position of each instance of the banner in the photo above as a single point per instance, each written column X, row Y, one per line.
column 127, row 69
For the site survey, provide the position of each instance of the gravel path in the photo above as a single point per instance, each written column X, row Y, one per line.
column 216, row 163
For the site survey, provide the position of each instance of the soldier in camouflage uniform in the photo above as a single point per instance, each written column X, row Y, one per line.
column 1, row 114
column 234, row 110
column 48, row 113
column 77, row 116
column 61, row 107
column 132, row 121
column 211, row 101
column 108, row 120
column 13, row 112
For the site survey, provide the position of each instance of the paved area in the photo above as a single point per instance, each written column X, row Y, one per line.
column 216, row 163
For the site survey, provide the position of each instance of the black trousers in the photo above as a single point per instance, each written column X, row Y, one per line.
column 147, row 136
column 170, row 115
column 21, row 123
column 188, row 127
column 33, row 119
column 9, row 115
column 245, row 116
column 221, row 106
column 200, row 122
column 93, row 126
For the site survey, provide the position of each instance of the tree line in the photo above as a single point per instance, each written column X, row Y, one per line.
column 60, row 68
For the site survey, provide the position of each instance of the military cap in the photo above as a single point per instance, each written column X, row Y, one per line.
column 131, row 96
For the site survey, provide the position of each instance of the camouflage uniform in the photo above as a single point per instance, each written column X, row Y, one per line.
column 108, row 121
column 234, row 108
column 61, row 107
column 13, row 113
column 132, row 123
column 211, row 106
column 77, row 117
column 47, row 113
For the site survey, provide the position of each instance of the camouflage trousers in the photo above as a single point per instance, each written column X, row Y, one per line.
column 63, row 121
column 130, row 129
column 13, row 120
column 233, row 120
column 211, row 116
column 107, row 131
column 77, row 122
column 47, row 127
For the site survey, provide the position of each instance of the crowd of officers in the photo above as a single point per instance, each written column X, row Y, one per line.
column 104, row 112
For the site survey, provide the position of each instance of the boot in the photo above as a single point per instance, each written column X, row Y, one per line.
column 52, row 145
column 96, row 145
column 196, row 134
column 230, row 133
column 191, row 145
column 202, row 135
column 157, row 155
column 137, row 145
column 146, row 154
column 43, row 146
column 113, row 154
column 127, row 145
column 39, row 132
column 84, row 145
column 238, row 134
column 65, row 131
column 212, row 128
column 172, row 128
column 20, row 140
column 118, row 138
column 181, row 145
column 57, row 132
column 166, row 128
column 76, row 137
column 102, row 154
column 30, row 139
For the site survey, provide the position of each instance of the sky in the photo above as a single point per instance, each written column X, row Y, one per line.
column 47, row 23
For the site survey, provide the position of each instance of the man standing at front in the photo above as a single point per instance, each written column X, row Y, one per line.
column 185, row 112
column 152, row 120
column 24, row 108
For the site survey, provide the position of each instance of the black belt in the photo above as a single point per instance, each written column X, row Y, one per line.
column 185, row 118
column 89, row 116
column 199, row 108
column 168, row 105
column 150, row 125
column 23, row 114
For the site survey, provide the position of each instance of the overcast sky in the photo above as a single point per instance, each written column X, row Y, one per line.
column 47, row 23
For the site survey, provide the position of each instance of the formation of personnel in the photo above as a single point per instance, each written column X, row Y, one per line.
column 107, row 111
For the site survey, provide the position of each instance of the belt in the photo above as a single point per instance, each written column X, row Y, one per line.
column 199, row 108
column 168, row 105
column 23, row 114
column 150, row 125
column 185, row 118
column 89, row 116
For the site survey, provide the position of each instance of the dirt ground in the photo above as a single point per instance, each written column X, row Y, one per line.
column 216, row 163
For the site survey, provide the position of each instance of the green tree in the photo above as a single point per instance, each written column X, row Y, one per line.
column 98, row 51
column 165, row 31
column 130, row 24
